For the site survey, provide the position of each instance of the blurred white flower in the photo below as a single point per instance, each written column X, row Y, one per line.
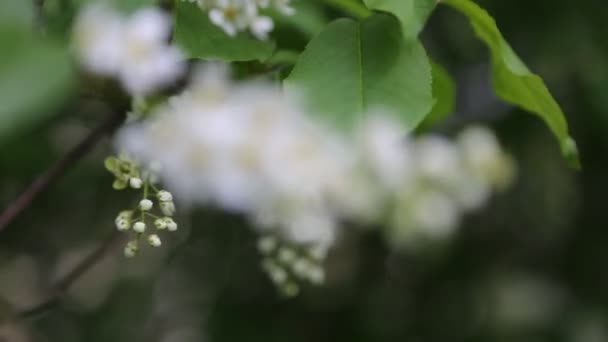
column 135, row 49
column 248, row 149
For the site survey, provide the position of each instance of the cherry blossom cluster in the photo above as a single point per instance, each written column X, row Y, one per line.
column 248, row 149
column 287, row 264
column 234, row 16
column 140, row 220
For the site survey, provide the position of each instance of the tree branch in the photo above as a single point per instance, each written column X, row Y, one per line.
column 63, row 285
column 61, row 167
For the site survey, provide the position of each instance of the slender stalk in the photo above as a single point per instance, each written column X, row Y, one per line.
column 59, row 289
column 10, row 213
column 352, row 7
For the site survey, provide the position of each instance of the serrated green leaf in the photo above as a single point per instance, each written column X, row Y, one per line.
column 444, row 92
column 199, row 38
column 513, row 82
column 351, row 67
column 412, row 13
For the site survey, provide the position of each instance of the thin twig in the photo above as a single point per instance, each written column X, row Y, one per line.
column 61, row 167
column 63, row 285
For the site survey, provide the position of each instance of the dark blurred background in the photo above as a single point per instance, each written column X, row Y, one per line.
column 531, row 266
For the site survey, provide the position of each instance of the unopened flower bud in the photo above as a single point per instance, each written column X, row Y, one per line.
column 135, row 182
column 278, row 275
column 168, row 208
column 301, row 267
column 171, row 225
column 154, row 240
column 267, row 244
column 286, row 255
column 160, row 223
column 130, row 249
column 145, row 204
column 122, row 225
column 164, row 196
column 316, row 275
column 139, row 227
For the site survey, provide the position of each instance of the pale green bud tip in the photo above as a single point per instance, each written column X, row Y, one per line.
column 135, row 182
column 154, row 240
column 164, row 196
column 139, row 227
column 145, row 204
column 160, row 224
column 267, row 244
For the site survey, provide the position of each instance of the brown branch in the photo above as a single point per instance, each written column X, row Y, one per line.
column 61, row 167
column 63, row 285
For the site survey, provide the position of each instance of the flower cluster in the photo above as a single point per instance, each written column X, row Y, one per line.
column 234, row 16
column 287, row 264
column 127, row 173
column 133, row 49
column 248, row 149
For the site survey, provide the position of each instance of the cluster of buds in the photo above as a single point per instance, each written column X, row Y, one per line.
column 139, row 219
column 288, row 265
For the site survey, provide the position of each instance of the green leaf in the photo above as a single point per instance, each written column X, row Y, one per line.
column 351, row 67
column 16, row 14
column 35, row 74
column 412, row 13
column 199, row 38
column 513, row 82
column 444, row 92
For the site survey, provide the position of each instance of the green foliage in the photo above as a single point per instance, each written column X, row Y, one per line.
column 35, row 74
column 444, row 92
column 199, row 38
column 347, row 70
column 412, row 13
column 513, row 82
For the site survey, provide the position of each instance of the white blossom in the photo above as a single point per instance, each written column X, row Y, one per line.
column 135, row 182
column 248, row 149
column 267, row 244
column 171, row 225
column 234, row 16
column 132, row 49
column 130, row 249
column 164, row 196
column 168, row 208
column 160, row 223
column 154, row 240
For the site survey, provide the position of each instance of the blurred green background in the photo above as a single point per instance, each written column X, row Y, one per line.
column 531, row 266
